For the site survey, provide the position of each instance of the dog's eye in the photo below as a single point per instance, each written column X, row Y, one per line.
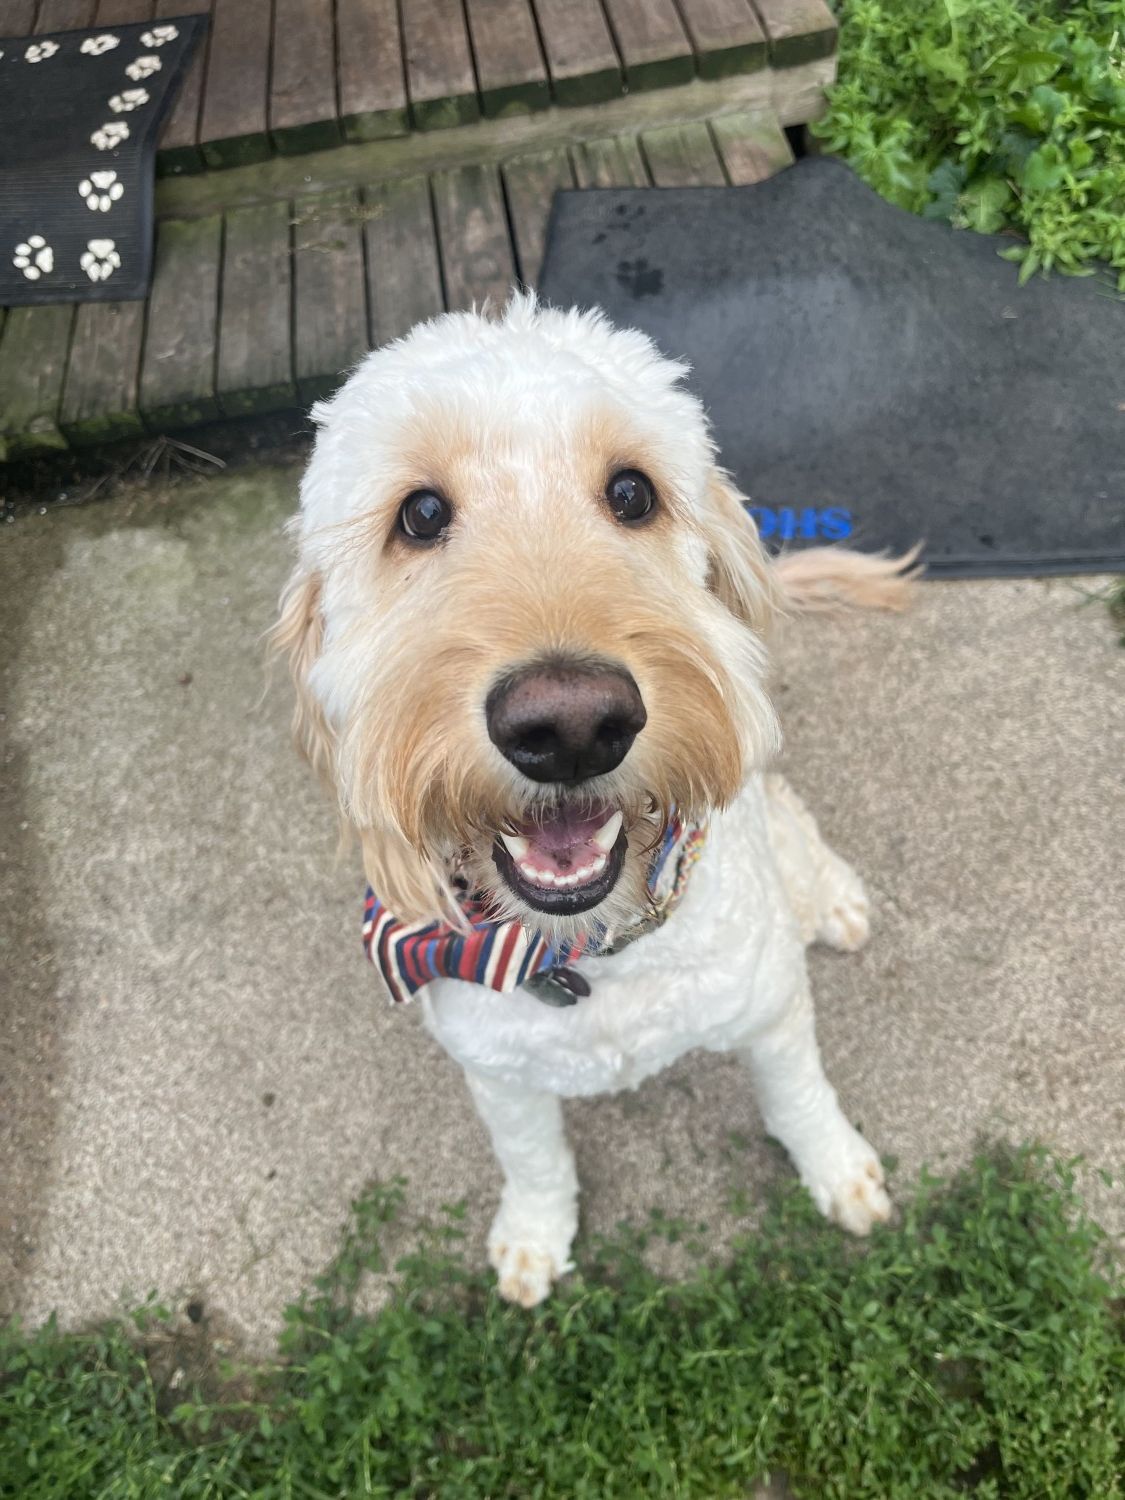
column 630, row 495
column 424, row 516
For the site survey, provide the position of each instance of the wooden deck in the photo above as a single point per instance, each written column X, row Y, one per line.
column 259, row 306
column 289, row 76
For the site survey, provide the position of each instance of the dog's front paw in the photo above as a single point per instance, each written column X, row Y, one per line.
column 861, row 1202
column 529, row 1243
column 848, row 1186
column 844, row 921
column 524, row 1273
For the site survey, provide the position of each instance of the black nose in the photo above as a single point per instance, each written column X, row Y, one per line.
column 560, row 722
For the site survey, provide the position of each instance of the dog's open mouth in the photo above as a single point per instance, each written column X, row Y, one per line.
column 567, row 861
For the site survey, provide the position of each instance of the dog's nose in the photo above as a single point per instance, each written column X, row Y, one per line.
column 565, row 723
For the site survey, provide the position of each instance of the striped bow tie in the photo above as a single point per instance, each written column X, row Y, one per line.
column 504, row 955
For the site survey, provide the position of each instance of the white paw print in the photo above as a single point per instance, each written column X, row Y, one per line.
column 159, row 35
column 94, row 46
column 122, row 103
column 34, row 257
column 101, row 190
column 100, row 259
column 143, row 67
column 111, row 134
column 40, row 51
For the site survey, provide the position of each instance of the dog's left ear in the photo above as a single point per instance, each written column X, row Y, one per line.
column 739, row 571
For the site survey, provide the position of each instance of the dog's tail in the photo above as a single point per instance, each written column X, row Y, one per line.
column 833, row 578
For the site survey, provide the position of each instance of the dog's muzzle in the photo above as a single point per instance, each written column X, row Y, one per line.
column 562, row 724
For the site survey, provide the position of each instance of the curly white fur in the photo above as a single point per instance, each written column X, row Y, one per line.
column 519, row 421
column 726, row 972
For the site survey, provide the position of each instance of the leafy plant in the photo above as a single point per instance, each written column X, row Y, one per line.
column 1113, row 597
column 993, row 114
column 975, row 1348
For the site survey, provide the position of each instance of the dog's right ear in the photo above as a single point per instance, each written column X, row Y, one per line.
column 410, row 885
column 297, row 637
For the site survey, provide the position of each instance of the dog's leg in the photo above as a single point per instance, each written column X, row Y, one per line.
column 799, row 1107
column 825, row 893
column 529, row 1243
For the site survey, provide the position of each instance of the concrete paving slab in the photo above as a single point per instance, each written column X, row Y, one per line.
column 197, row 1073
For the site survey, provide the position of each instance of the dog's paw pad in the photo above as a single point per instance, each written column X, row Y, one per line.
column 846, row 924
column 861, row 1202
column 524, row 1274
column 846, row 1182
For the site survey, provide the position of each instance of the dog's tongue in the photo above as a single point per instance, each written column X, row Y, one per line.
column 564, row 842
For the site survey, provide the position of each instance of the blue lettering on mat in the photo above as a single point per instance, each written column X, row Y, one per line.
column 785, row 524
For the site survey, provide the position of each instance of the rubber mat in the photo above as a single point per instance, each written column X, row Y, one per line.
column 871, row 376
column 80, row 112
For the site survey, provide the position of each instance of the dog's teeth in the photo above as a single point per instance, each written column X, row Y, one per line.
column 552, row 880
column 516, row 845
column 606, row 836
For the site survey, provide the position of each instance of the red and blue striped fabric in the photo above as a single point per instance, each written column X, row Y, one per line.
column 500, row 955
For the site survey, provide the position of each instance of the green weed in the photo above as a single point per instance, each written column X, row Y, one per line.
column 993, row 114
column 974, row 1348
column 1114, row 598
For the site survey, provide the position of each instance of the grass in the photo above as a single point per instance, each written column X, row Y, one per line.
column 1114, row 597
column 993, row 114
column 975, row 1348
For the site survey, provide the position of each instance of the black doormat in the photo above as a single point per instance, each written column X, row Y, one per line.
column 80, row 112
column 871, row 375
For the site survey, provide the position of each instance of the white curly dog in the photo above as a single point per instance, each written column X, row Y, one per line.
column 528, row 633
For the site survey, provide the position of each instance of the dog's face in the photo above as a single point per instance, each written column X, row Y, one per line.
column 527, row 616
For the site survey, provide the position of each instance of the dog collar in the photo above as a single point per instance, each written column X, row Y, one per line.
column 503, row 955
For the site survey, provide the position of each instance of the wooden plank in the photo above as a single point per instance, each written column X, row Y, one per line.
column 403, row 267
column 63, row 15
column 752, row 147
column 17, row 17
column 123, row 12
column 32, row 365
column 652, row 43
column 615, row 162
column 683, row 156
column 254, row 371
column 799, row 31
column 370, row 70
column 439, row 64
column 330, row 313
column 476, row 252
column 581, row 58
column 727, row 36
column 179, row 140
column 303, row 78
column 510, row 67
column 234, row 118
column 99, row 399
column 530, row 183
column 178, row 362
